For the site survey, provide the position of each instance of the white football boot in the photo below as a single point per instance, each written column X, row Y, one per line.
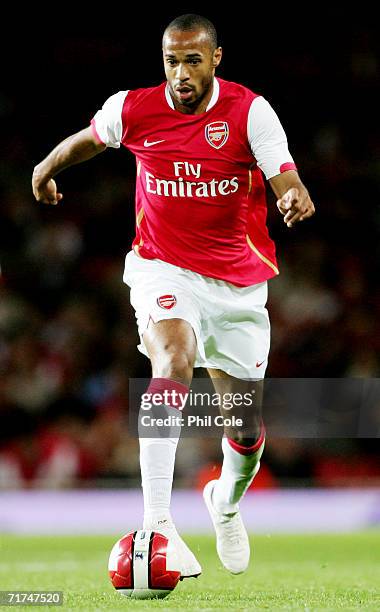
column 232, row 543
column 189, row 566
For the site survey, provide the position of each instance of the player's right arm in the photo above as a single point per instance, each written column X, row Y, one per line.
column 73, row 150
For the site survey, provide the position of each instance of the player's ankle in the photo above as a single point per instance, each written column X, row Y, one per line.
column 154, row 518
column 219, row 503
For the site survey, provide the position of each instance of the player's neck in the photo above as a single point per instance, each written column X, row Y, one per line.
column 200, row 106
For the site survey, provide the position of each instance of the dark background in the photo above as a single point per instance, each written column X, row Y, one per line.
column 67, row 332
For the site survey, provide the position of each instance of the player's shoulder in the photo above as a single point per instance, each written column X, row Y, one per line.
column 142, row 94
column 237, row 90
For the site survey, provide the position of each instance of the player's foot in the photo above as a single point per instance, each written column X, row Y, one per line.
column 232, row 542
column 189, row 566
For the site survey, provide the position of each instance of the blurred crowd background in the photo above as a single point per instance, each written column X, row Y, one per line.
column 67, row 332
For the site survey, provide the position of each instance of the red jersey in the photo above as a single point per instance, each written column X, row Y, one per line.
column 200, row 194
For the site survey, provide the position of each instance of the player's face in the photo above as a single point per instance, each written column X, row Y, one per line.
column 190, row 63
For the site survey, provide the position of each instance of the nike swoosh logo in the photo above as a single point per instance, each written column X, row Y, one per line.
column 150, row 144
column 259, row 364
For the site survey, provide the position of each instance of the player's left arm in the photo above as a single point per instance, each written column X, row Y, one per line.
column 293, row 201
column 269, row 146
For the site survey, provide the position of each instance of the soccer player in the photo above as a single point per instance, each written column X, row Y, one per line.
column 201, row 258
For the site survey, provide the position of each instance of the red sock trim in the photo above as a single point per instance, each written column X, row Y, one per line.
column 162, row 385
column 248, row 450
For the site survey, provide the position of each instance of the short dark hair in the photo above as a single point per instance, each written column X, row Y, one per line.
column 191, row 22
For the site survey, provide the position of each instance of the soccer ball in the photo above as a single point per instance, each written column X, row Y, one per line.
column 144, row 565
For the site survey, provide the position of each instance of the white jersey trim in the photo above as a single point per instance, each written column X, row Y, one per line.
column 213, row 100
column 108, row 120
column 267, row 138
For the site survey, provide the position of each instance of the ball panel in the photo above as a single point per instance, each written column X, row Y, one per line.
column 141, row 559
column 144, row 593
column 159, row 575
column 120, row 564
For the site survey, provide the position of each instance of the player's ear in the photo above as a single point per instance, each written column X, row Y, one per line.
column 217, row 57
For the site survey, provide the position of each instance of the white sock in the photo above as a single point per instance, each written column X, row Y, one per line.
column 157, row 454
column 238, row 472
column 157, row 457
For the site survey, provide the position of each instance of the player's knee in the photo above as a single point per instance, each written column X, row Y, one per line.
column 176, row 364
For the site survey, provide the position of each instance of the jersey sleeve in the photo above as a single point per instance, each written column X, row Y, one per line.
column 107, row 123
column 267, row 139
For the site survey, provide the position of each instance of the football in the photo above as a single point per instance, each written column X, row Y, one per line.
column 144, row 565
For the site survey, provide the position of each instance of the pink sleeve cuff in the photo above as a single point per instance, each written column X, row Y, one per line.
column 287, row 166
column 96, row 133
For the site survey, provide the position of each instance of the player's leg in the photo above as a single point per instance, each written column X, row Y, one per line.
column 242, row 449
column 242, row 445
column 171, row 346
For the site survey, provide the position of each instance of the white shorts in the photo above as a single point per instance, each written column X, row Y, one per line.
column 231, row 324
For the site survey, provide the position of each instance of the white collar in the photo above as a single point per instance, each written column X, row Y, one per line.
column 213, row 100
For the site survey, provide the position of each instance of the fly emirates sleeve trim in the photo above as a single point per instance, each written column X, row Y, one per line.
column 267, row 139
column 107, row 122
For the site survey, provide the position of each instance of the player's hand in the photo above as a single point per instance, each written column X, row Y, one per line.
column 45, row 190
column 295, row 205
